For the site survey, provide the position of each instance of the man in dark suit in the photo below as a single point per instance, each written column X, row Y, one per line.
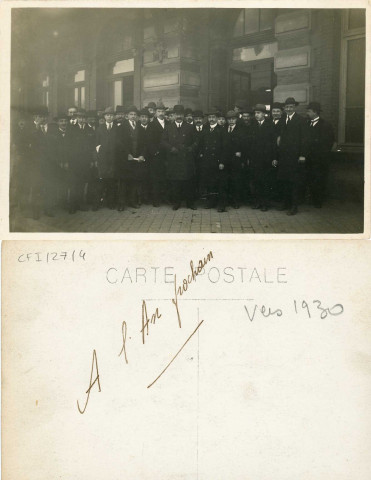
column 129, row 168
column 37, row 158
column 321, row 140
column 179, row 142
column 65, row 155
column 278, row 119
column 156, row 156
column 213, row 171
column 262, row 156
column 293, row 151
column 235, row 154
column 108, row 148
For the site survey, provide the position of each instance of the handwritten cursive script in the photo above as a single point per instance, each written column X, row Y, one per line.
column 195, row 271
column 146, row 320
column 91, row 384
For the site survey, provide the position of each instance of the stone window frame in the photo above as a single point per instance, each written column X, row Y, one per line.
column 347, row 35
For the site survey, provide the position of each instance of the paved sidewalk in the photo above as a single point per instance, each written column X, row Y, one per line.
column 334, row 217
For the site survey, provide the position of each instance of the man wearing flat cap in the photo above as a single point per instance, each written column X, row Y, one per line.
column 262, row 156
column 235, row 154
column 293, row 152
column 180, row 145
column 108, row 148
column 156, row 156
column 212, row 163
column 321, row 140
column 129, row 168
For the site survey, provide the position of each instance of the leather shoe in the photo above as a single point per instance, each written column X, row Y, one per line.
column 176, row 206
column 293, row 211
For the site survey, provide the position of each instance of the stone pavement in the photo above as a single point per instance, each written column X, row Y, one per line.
column 334, row 217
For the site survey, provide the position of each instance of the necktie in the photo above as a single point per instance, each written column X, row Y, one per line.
column 109, row 127
column 230, row 128
column 288, row 120
column 312, row 122
column 133, row 125
column 199, row 129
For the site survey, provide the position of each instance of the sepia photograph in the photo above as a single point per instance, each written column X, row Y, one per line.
column 187, row 120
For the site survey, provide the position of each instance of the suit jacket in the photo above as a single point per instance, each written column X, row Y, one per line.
column 85, row 148
column 294, row 143
column 235, row 141
column 180, row 146
column 133, row 143
column 212, row 149
column 263, row 145
column 110, row 142
column 321, row 139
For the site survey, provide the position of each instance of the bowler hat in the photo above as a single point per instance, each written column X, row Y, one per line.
column 188, row 111
column 160, row 106
column 151, row 105
column 120, row 109
column 259, row 107
column 198, row 113
column 213, row 111
column 231, row 114
column 178, row 109
column 277, row 105
column 144, row 111
column 132, row 108
column 315, row 106
column 62, row 116
column 291, row 101
column 109, row 110
column 41, row 111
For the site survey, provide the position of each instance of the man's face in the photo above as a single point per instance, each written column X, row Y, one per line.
column 40, row 119
column 289, row 109
column 144, row 119
column 151, row 111
column 102, row 120
column 91, row 120
column 198, row 121
column 132, row 116
column 237, row 109
column 221, row 121
column 189, row 118
column 62, row 123
column 312, row 114
column 179, row 117
column 81, row 120
column 160, row 113
column 72, row 111
column 120, row 116
column 109, row 117
column 276, row 113
column 232, row 121
column 259, row 116
column 246, row 118
column 172, row 117
column 212, row 119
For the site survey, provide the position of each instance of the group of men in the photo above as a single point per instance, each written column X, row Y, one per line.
column 156, row 155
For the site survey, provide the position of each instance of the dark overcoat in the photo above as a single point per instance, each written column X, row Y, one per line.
column 180, row 146
column 294, row 143
column 110, row 149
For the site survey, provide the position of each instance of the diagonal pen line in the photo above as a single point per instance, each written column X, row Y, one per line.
column 168, row 365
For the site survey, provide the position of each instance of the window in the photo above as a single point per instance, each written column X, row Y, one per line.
column 352, row 79
column 79, row 89
column 122, row 73
column 254, row 20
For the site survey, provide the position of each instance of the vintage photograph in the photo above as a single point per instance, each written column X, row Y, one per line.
column 187, row 120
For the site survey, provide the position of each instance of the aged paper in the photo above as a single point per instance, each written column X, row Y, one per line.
column 187, row 360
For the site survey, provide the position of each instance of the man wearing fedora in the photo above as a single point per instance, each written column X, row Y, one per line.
column 293, row 151
column 262, row 156
column 180, row 145
column 108, row 147
column 129, row 164
column 119, row 115
column 235, row 155
column 213, row 171
column 156, row 156
column 321, row 140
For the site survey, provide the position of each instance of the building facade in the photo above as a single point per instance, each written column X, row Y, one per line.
column 201, row 58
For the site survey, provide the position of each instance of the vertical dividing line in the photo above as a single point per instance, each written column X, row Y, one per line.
column 198, row 378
